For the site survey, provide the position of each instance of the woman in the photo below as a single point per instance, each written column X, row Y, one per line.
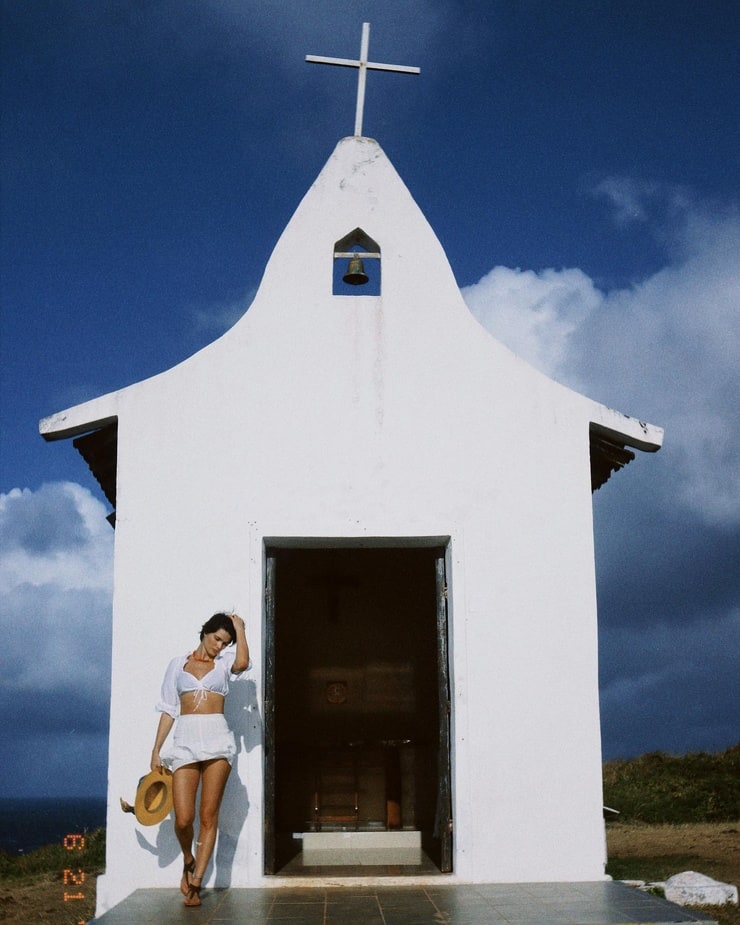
column 203, row 747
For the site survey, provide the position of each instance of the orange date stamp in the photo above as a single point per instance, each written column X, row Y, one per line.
column 73, row 878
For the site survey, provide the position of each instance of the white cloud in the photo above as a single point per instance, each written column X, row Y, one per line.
column 626, row 198
column 56, row 536
column 534, row 314
column 664, row 350
column 639, row 200
column 56, row 554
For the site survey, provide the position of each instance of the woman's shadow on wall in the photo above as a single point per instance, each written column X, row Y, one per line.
column 243, row 716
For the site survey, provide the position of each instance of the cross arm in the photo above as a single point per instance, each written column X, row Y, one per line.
column 342, row 62
column 372, row 65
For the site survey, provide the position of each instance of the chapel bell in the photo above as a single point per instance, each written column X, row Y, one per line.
column 355, row 274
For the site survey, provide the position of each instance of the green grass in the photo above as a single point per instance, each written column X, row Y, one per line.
column 53, row 858
column 652, row 870
column 659, row 787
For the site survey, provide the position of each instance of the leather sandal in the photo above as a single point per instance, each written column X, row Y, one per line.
column 193, row 897
column 187, row 870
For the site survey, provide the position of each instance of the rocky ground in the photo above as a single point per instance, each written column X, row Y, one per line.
column 40, row 899
column 711, row 848
column 656, row 852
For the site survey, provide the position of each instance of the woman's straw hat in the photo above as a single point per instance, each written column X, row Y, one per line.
column 153, row 797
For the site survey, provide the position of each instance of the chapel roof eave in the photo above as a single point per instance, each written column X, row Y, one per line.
column 81, row 419
column 612, row 438
column 621, row 428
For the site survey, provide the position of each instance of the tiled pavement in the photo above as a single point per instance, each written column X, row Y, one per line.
column 602, row 903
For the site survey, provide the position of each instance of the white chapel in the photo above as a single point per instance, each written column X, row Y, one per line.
column 400, row 508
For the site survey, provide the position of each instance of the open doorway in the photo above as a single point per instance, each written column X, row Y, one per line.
column 357, row 709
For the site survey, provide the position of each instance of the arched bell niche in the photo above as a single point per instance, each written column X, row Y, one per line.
column 356, row 265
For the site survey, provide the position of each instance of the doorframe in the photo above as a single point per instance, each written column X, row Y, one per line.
column 443, row 826
column 443, row 821
column 269, row 835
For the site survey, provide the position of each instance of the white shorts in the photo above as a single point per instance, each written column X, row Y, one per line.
column 199, row 738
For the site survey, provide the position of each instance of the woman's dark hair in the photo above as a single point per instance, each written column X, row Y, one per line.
column 219, row 621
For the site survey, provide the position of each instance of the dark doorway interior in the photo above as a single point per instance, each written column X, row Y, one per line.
column 355, row 728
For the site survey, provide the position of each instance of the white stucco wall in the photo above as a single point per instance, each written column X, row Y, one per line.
column 360, row 416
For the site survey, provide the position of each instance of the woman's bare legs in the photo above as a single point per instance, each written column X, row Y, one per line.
column 214, row 775
column 184, row 788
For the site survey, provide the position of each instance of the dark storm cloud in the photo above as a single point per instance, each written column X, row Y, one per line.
column 66, row 711
column 670, row 688
column 669, row 568
column 49, row 628
column 58, row 765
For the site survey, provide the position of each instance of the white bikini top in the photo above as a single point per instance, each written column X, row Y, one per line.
column 177, row 681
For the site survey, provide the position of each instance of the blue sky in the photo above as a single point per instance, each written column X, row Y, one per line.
column 579, row 162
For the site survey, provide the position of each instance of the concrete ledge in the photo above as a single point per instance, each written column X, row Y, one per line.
column 363, row 848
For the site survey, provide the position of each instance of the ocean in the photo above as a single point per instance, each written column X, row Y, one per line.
column 29, row 824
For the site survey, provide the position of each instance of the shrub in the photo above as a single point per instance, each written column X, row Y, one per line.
column 658, row 787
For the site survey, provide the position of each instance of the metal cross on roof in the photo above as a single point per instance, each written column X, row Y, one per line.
column 362, row 66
